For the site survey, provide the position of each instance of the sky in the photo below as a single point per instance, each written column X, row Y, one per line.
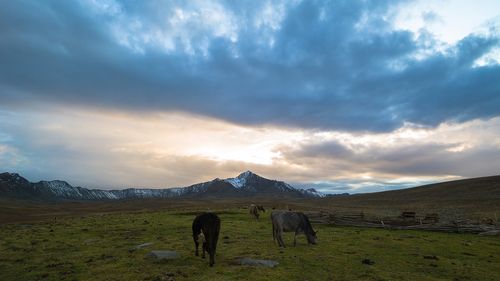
column 343, row 96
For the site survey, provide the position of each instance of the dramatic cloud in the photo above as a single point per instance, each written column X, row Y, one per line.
column 404, row 157
column 113, row 149
column 340, row 65
column 107, row 93
column 116, row 150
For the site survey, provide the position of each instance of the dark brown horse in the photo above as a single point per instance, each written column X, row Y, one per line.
column 206, row 228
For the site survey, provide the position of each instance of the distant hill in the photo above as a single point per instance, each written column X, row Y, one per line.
column 475, row 194
column 466, row 189
column 246, row 184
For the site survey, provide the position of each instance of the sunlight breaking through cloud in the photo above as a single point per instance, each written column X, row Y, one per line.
column 119, row 149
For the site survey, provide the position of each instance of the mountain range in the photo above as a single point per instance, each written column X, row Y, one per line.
column 247, row 184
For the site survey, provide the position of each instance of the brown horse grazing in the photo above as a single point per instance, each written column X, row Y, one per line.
column 206, row 228
column 254, row 210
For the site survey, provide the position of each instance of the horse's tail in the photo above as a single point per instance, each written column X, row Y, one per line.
column 213, row 230
column 274, row 229
column 196, row 228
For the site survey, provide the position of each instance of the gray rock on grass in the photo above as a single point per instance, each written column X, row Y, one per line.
column 142, row 246
column 163, row 255
column 255, row 262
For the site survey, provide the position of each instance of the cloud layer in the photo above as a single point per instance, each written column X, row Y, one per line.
column 307, row 64
column 116, row 150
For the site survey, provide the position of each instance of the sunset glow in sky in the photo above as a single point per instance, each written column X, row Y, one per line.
column 343, row 96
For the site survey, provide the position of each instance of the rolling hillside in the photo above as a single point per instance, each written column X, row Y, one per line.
column 475, row 195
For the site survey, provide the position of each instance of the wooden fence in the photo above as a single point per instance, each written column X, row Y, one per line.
column 407, row 220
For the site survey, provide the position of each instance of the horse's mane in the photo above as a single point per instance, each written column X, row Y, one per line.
column 307, row 227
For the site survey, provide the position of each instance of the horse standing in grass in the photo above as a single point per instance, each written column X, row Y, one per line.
column 254, row 210
column 291, row 221
column 206, row 228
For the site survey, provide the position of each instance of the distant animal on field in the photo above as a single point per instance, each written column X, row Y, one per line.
column 254, row 210
column 206, row 228
column 296, row 222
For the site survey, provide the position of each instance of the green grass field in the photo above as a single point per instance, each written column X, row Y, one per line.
column 97, row 247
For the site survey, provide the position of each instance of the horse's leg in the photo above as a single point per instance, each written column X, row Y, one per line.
column 280, row 238
column 211, row 252
column 274, row 233
column 282, row 241
column 196, row 246
column 212, row 261
column 204, row 247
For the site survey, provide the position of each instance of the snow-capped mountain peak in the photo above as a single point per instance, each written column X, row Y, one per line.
column 245, row 174
column 251, row 182
column 312, row 192
column 239, row 181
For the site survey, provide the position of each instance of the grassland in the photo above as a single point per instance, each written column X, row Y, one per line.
column 476, row 199
column 97, row 247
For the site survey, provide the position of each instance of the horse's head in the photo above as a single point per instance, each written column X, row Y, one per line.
column 312, row 237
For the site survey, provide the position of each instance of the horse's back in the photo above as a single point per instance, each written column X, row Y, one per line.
column 205, row 222
column 286, row 221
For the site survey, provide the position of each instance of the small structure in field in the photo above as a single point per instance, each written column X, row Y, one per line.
column 408, row 216
column 431, row 218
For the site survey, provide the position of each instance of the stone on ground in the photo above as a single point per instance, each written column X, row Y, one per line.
column 255, row 262
column 161, row 255
column 144, row 245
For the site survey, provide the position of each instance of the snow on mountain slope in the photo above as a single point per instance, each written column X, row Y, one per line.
column 60, row 188
column 240, row 180
column 249, row 181
column 312, row 192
